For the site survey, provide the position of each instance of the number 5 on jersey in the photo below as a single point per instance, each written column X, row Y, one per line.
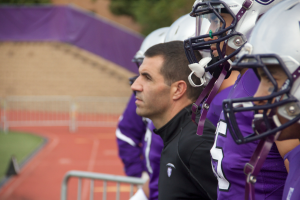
column 218, row 155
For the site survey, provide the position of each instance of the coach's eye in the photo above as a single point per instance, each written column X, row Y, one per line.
column 148, row 77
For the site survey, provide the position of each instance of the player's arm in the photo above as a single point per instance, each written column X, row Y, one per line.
column 130, row 133
column 286, row 146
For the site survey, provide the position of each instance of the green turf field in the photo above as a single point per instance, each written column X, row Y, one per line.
column 21, row 145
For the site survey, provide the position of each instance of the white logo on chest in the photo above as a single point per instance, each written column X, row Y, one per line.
column 169, row 169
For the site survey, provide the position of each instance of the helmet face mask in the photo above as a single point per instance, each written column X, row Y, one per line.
column 222, row 28
column 228, row 40
column 265, row 114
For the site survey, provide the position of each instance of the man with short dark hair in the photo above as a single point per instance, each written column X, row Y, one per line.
column 164, row 95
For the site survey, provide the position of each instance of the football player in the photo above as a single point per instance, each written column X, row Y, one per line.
column 213, row 113
column 231, row 21
column 273, row 52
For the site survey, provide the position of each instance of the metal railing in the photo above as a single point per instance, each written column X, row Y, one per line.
column 61, row 111
column 102, row 177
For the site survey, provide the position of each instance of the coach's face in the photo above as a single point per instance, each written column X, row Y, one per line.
column 152, row 93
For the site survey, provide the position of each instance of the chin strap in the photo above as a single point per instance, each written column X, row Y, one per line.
column 212, row 89
column 252, row 168
column 246, row 6
column 197, row 105
column 207, row 102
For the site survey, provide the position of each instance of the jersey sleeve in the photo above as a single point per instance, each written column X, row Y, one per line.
column 130, row 133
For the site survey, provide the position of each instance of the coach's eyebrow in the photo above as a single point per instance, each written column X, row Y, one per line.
column 147, row 75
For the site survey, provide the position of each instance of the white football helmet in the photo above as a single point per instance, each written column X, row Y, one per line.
column 155, row 37
column 244, row 13
column 275, row 40
column 184, row 28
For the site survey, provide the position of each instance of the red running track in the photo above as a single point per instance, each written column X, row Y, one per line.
column 21, row 115
column 89, row 149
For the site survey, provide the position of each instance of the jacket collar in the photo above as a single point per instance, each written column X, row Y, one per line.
column 175, row 125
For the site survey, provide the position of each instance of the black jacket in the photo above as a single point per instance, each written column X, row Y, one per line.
column 185, row 164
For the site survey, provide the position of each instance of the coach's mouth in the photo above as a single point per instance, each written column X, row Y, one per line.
column 138, row 99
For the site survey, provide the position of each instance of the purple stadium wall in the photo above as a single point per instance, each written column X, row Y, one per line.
column 70, row 25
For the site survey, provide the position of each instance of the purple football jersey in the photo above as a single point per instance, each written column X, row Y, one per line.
column 130, row 134
column 152, row 151
column 229, row 159
column 215, row 107
column 292, row 184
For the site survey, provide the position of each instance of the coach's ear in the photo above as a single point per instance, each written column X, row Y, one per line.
column 178, row 89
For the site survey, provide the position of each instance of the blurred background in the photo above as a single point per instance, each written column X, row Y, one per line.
column 64, row 70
